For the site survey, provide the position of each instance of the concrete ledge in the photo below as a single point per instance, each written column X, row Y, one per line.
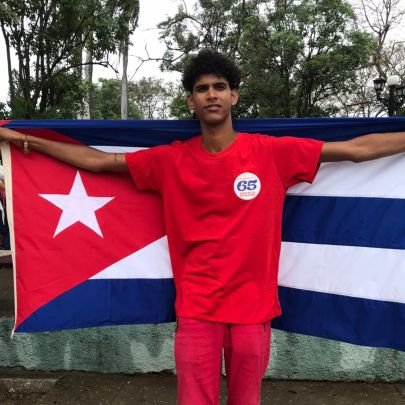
column 149, row 348
column 37, row 385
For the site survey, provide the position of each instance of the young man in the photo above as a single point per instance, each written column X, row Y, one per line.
column 223, row 194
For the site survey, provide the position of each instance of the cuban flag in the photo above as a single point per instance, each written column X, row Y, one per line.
column 90, row 249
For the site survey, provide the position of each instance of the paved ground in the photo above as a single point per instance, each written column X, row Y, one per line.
column 77, row 388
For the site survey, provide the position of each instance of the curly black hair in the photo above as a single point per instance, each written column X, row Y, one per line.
column 210, row 62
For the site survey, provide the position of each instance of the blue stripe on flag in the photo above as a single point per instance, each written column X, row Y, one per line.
column 354, row 221
column 352, row 320
column 157, row 132
column 103, row 302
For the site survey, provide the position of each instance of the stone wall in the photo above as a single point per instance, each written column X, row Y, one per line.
column 149, row 348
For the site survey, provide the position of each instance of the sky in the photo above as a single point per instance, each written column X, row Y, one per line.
column 152, row 12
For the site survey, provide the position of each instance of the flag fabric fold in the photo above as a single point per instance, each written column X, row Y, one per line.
column 90, row 250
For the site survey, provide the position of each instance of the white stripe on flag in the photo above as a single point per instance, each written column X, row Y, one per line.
column 118, row 149
column 151, row 262
column 377, row 274
column 381, row 178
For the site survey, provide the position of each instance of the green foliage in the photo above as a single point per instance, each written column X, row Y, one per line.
column 125, row 18
column 107, row 100
column 7, row 14
column 4, row 112
column 152, row 97
column 295, row 55
column 215, row 24
column 49, row 37
column 308, row 51
column 178, row 106
column 147, row 99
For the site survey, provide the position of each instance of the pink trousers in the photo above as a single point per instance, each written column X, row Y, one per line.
column 198, row 355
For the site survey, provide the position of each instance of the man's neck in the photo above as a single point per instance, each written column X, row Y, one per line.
column 216, row 139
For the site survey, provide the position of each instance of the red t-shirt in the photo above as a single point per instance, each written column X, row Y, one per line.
column 223, row 214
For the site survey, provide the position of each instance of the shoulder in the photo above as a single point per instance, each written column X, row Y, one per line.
column 163, row 152
column 186, row 143
column 284, row 142
column 294, row 142
column 256, row 139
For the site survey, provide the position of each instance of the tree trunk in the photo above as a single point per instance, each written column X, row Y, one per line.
column 124, row 82
column 88, row 78
column 9, row 68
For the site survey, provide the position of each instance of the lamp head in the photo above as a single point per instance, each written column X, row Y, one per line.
column 379, row 84
column 400, row 91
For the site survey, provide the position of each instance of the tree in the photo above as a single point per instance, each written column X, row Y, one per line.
column 298, row 55
column 358, row 100
column 49, row 37
column 381, row 18
column 153, row 98
column 178, row 107
column 106, row 100
column 148, row 98
column 6, row 14
column 214, row 24
column 127, row 21
column 4, row 114
column 125, row 15
column 295, row 55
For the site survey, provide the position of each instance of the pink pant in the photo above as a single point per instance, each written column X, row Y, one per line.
column 198, row 354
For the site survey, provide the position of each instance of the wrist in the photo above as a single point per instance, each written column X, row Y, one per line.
column 24, row 142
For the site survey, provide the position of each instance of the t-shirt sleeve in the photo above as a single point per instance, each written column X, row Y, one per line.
column 296, row 159
column 147, row 167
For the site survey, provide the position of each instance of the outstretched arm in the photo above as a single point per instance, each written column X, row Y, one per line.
column 80, row 156
column 364, row 148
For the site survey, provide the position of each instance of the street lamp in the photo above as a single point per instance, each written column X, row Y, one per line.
column 396, row 93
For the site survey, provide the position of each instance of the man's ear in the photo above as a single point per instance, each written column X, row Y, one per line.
column 190, row 102
column 234, row 96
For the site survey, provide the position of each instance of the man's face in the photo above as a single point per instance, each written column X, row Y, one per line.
column 212, row 99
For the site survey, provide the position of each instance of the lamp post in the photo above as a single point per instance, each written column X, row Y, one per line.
column 396, row 93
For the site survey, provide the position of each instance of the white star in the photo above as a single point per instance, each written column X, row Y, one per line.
column 77, row 206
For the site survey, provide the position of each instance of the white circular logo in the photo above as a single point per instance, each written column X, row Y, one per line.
column 247, row 186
